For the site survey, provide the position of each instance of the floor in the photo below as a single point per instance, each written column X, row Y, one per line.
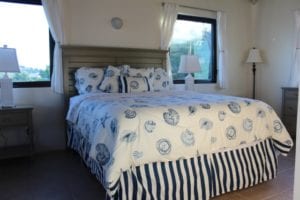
column 61, row 176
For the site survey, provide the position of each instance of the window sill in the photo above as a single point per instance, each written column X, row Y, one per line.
column 31, row 84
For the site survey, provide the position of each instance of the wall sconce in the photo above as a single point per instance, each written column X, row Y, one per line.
column 116, row 23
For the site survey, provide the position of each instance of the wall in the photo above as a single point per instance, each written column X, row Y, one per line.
column 274, row 35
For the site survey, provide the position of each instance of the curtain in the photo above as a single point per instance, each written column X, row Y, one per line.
column 222, row 78
column 55, row 18
column 169, row 17
column 295, row 72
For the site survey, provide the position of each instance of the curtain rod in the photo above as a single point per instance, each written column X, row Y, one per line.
column 196, row 8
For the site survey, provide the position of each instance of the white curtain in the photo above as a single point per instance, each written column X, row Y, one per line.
column 55, row 18
column 222, row 78
column 169, row 17
column 295, row 72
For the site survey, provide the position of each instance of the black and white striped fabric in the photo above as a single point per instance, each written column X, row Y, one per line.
column 201, row 177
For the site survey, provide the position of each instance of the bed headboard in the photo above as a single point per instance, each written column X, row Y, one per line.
column 75, row 57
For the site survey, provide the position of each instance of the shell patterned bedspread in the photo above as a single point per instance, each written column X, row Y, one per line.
column 127, row 130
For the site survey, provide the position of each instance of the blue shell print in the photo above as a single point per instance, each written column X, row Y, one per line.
column 130, row 114
column 103, row 154
column 277, row 126
column 247, row 102
column 137, row 154
column 157, row 77
column 163, row 146
column 221, row 115
column 230, row 133
column 192, row 110
column 171, row 117
column 234, row 107
column 187, row 138
column 134, row 85
column 165, row 84
column 108, row 88
column 81, row 81
column 93, row 75
column 129, row 137
column 205, row 106
column 88, row 88
column 114, row 126
column 206, row 124
column 248, row 124
column 109, row 73
column 150, row 126
column 261, row 113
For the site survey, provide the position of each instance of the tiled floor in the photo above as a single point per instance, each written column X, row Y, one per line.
column 62, row 176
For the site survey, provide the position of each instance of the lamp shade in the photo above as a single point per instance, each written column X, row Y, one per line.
column 254, row 56
column 189, row 64
column 8, row 60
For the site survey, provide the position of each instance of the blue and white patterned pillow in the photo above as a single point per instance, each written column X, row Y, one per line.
column 161, row 80
column 142, row 72
column 132, row 84
column 110, row 83
column 88, row 79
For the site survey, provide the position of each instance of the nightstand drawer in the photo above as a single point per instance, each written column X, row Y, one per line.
column 290, row 124
column 290, row 107
column 13, row 118
column 291, row 94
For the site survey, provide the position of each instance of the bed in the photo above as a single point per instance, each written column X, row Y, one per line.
column 168, row 144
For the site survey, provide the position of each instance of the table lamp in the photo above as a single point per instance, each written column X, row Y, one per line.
column 254, row 57
column 8, row 63
column 189, row 64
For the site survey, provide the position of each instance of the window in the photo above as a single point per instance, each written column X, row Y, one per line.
column 24, row 27
column 196, row 36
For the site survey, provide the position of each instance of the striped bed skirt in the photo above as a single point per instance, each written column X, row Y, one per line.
column 200, row 177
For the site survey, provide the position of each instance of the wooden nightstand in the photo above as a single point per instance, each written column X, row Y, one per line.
column 289, row 109
column 19, row 116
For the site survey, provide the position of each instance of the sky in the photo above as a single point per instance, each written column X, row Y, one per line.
column 187, row 29
column 25, row 28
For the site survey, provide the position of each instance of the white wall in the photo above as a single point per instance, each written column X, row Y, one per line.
column 274, row 38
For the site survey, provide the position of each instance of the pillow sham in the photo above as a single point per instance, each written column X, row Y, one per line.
column 110, row 83
column 161, row 80
column 143, row 72
column 87, row 79
column 131, row 84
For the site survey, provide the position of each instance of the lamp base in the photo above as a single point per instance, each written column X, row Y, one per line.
column 189, row 82
column 6, row 92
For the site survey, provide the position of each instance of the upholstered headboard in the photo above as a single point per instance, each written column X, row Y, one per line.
column 75, row 57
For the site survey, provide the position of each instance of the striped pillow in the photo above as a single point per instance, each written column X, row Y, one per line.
column 132, row 84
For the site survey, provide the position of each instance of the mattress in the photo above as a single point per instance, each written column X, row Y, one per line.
column 123, row 132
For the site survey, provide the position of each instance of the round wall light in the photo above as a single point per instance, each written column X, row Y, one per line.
column 116, row 22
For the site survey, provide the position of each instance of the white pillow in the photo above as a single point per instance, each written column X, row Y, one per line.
column 88, row 79
column 161, row 80
column 132, row 84
column 143, row 72
column 110, row 83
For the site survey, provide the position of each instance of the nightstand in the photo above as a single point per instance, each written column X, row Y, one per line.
column 19, row 116
column 289, row 109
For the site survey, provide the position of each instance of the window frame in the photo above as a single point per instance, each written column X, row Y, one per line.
column 213, row 22
column 31, row 84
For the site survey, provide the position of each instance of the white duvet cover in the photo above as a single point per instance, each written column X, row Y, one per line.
column 127, row 130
